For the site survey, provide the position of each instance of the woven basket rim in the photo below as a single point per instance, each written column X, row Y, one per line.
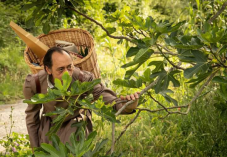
column 59, row 31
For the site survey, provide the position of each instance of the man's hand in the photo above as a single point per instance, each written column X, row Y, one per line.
column 132, row 106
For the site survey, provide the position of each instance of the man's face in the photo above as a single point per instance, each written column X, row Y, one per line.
column 61, row 62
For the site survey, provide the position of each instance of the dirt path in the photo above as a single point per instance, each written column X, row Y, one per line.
column 18, row 118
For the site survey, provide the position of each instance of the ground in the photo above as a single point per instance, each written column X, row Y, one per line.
column 18, row 118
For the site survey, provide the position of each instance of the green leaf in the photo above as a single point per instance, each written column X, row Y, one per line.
column 184, row 42
column 131, row 71
column 149, row 21
column 46, row 28
column 146, row 55
column 73, row 3
column 28, row 6
column 219, row 79
column 213, row 35
column 42, row 154
column 50, row 149
column 58, row 84
column 111, row 29
column 201, row 66
column 78, row 124
column 66, row 81
column 55, row 141
column 146, row 75
column 168, row 98
column 100, row 145
column 56, row 127
column 132, row 51
column 164, row 78
column 199, row 79
column 159, row 65
column 142, row 52
column 30, row 22
column 128, row 83
column 63, row 150
column 175, row 27
column 62, row 3
column 223, row 49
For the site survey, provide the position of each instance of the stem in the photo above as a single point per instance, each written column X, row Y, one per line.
column 76, row 99
column 113, row 138
column 141, row 93
column 175, row 66
column 216, row 57
column 200, row 90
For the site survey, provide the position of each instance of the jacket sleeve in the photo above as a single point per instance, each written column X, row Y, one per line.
column 32, row 111
column 108, row 95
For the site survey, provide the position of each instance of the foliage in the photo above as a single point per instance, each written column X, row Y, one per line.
column 79, row 145
column 172, row 42
column 202, row 49
column 13, row 68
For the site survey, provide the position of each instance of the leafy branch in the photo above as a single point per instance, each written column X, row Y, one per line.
column 218, row 13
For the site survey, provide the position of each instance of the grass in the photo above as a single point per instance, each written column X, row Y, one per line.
column 201, row 133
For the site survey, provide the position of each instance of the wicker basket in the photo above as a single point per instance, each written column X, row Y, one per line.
column 81, row 38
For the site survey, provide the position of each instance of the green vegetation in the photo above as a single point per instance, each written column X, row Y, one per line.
column 176, row 48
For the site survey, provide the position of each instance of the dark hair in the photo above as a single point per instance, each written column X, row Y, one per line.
column 47, row 60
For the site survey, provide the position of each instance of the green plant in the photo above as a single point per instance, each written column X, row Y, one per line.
column 15, row 144
column 79, row 145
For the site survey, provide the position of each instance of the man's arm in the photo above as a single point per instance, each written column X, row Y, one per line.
column 32, row 112
column 108, row 95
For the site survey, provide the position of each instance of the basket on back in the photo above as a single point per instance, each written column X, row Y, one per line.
column 82, row 40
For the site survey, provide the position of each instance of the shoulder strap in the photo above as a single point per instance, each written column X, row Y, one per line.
column 37, row 82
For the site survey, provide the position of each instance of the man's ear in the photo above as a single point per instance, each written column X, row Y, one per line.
column 48, row 70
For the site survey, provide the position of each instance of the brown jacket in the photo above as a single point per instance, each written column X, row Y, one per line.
column 38, row 127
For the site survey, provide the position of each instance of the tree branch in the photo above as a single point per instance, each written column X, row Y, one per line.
column 218, row 13
column 99, row 24
column 113, row 138
column 200, row 90
column 122, row 132
column 141, row 93
column 167, row 53
column 175, row 66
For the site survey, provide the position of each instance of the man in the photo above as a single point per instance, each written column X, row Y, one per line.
column 56, row 62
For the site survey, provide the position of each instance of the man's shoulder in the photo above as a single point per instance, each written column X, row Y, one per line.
column 30, row 78
column 81, row 75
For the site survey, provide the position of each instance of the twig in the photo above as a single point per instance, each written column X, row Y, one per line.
column 142, row 33
column 132, row 37
column 200, row 90
column 157, row 110
column 167, row 53
column 175, row 66
column 218, row 13
column 128, row 103
column 138, row 31
column 164, row 48
column 157, row 101
column 164, row 116
column 213, row 53
column 122, row 132
column 141, row 93
column 99, row 24
column 113, row 138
